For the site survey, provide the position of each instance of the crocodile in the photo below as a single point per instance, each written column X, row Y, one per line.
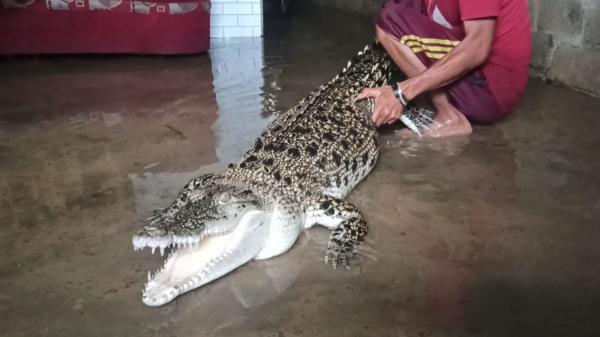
column 296, row 175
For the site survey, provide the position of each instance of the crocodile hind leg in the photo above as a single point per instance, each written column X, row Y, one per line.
column 348, row 226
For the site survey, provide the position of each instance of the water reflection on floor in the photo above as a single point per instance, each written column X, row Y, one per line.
column 494, row 235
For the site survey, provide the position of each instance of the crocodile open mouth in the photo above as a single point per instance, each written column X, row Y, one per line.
column 193, row 261
column 163, row 242
column 186, row 267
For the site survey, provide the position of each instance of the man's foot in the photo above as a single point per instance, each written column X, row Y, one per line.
column 447, row 123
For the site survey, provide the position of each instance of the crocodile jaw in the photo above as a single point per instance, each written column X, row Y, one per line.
column 196, row 265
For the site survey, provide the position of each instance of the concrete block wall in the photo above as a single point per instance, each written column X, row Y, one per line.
column 236, row 18
column 566, row 42
column 566, row 39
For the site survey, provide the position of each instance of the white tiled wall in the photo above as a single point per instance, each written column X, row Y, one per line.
column 236, row 18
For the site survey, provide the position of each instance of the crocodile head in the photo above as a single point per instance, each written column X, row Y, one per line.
column 217, row 231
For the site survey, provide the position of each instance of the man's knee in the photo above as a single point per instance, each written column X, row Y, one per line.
column 380, row 34
column 392, row 20
column 384, row 15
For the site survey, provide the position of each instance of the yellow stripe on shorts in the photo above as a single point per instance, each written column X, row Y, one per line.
column 433, row 48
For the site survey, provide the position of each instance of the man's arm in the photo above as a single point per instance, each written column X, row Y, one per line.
column 472, row 52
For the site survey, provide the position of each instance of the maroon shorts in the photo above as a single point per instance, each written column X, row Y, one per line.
column 407, row 21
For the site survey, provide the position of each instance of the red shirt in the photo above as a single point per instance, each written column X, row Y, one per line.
column 507, row 68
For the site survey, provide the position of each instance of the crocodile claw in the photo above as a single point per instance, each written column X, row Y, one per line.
column 338, row 256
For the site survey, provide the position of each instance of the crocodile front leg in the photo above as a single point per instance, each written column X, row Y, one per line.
column 348, row 226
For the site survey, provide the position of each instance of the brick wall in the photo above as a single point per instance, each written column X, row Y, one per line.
column 236, row 18
column 566, row 39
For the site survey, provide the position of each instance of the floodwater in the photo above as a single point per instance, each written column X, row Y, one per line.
column 494, row 235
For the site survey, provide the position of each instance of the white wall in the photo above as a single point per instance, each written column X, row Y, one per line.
column 236, row 18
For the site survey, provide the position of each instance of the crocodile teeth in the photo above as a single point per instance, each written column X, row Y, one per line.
column 162, row 250
column 153, row 249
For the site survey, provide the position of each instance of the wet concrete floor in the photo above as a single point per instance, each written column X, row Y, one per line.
column 496, row 235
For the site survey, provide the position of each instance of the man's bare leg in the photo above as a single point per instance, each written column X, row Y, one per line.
column 449, row 121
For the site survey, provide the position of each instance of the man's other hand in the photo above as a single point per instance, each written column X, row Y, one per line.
column 387, row 108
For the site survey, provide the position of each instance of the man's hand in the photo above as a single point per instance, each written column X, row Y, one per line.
column 387, row 107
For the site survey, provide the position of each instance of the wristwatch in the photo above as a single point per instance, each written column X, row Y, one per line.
column 399, row 94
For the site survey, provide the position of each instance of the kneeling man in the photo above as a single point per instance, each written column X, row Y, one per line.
column 471, row 56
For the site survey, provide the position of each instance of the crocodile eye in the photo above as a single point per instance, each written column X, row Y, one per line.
column 224, row 198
